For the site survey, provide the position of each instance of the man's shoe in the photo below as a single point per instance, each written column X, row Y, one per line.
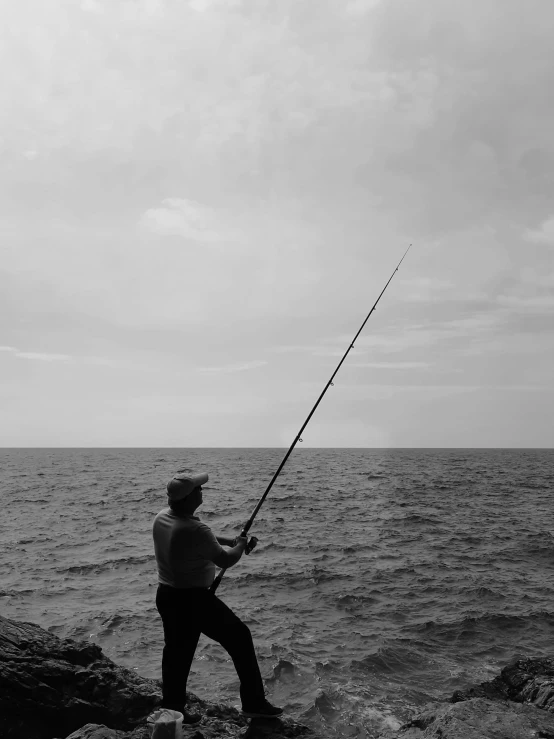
column 262, row 710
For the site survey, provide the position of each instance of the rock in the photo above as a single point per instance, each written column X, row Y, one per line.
column 518, row 704
column 481, row 718
column 53, row 688
column 530, row 680
column 50, row 687
column 93, row 731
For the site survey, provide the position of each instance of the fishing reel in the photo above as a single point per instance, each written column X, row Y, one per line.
column 249, row 545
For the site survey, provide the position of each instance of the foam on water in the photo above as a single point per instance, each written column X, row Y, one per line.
column 383, row 579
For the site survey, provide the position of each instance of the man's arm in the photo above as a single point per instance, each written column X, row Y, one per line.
column 225, row 541
column 228, row 558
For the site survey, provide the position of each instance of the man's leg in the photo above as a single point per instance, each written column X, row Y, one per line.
column 223, row 626
column 181, row 640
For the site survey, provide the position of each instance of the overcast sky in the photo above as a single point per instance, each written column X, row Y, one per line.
column 201, row 200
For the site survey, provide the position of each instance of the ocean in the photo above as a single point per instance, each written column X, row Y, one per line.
column 383, row 579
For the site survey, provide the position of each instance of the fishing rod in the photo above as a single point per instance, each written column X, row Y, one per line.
column 298, row 438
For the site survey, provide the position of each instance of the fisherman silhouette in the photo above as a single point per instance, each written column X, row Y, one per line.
column 187, row 553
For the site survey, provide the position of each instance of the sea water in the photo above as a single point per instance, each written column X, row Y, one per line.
column 383, row 579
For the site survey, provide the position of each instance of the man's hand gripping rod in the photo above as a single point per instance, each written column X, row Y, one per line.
column 253, row 541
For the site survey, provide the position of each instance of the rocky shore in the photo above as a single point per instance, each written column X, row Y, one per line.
column 53, row 688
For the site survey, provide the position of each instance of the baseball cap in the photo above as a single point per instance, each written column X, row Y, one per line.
column 183, row 484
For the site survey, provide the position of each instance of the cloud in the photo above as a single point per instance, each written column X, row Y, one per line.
column 55, row 357
column 427, row 283
column 197, row 404
column 181, row 217
column 350, row 433
column 428, row 289
column 91, row 6
column 405, row 338
column 275, row 186
column 361, row 7
column 40, row 356
column 539, row 303
column 225, row 369
column 542, row 235
column 432, row 112
column 532, row 277
column 465, row 138
column 434, row 343
column 391, row 365
column 201, row 6
column 529, row 296
column 315, row 350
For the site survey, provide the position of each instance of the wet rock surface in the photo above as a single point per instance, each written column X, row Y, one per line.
column 480, row 718
column 518, row 704
column 53, row 688
column 527, row 680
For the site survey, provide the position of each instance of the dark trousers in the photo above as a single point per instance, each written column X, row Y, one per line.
column 187, row 613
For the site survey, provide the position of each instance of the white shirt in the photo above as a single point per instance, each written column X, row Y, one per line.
column 185, row 550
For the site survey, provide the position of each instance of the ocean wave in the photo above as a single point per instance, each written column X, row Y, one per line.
column 41, row 539
column 484, row 592
column 416, row 518
column 109, row 564
column 283, row 500
column 322, row 706
column 34, row 501
column 283, row 669
column 278, row 578
column 488, row 622
column 318, row 575
column 394, row 658
column 350, row 600
column 535, row 546
column 446, row 569
column 17, row 593
column 112, row 622
column 327, row 666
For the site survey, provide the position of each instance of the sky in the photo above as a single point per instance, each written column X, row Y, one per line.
column 201, row 200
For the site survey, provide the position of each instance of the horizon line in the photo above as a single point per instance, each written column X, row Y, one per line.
column 376, row 448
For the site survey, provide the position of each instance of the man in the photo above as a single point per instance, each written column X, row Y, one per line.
column 187, row 553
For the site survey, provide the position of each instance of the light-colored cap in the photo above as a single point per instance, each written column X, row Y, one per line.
column 183, row 484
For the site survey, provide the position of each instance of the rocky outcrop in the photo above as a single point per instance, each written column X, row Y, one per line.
column 52, row 688
column 524, row 681
column 518, row 704
column 479, row 718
